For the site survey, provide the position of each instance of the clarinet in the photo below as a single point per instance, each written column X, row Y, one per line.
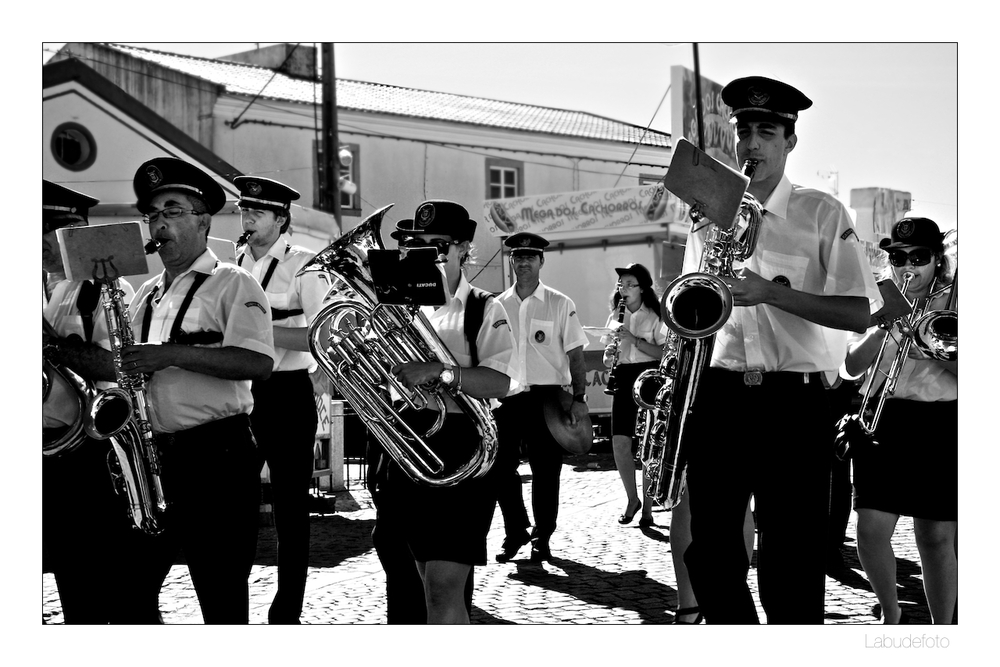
column 612, row 378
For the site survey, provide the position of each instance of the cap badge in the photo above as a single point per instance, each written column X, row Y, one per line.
column 425, row 215
column 905, row 229
column 525, row 242
column 253, row 187
column 153, row 175
column 757, row 97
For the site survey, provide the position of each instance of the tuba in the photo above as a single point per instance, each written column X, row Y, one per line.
column 695, row 307
column 357, row 341
column 121, row 415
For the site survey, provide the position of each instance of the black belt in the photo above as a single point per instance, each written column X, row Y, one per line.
column 755, row 378
column 220, row 430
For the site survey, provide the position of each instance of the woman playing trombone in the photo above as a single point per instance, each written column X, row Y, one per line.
column 913, row 470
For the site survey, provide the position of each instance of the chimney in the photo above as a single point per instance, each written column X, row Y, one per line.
column 301, row 64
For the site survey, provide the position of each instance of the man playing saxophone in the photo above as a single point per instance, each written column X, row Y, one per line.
column 105, row 570
column 203, row 333
column 807, row 272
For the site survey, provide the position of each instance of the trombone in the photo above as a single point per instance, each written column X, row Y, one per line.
column 935, row 333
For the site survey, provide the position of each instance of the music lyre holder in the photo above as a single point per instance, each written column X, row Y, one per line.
column 102, row 253
column 712, row 189
column 412, row 279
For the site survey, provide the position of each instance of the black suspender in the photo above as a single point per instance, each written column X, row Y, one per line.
column 276, row 313
column 178, row 335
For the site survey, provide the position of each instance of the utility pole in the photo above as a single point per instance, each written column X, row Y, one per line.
column 329, row 164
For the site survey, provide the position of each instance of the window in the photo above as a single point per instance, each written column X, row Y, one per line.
column 73, row 146
column 503, row 178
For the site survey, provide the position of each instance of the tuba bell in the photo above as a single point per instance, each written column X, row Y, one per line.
column 357, row 340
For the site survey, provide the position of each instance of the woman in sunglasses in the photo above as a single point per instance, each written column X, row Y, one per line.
column 913, row 470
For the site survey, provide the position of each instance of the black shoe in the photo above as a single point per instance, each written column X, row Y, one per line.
column 646, row 522
column 511, row 545
column 629, row 513
column 687, row 611
column 540, row 551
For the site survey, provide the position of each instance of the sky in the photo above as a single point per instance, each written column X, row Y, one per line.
column 883, row 114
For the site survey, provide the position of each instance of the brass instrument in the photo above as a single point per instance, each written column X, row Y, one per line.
column 612, row 385
column 357, row 341
column 695, row 307
column 121, row 414
column 65, row 397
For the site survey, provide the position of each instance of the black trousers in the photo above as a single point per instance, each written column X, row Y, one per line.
column 284, row 423
column 521, row 424
column 106, row 570
column 211, row 478
column 773, row 441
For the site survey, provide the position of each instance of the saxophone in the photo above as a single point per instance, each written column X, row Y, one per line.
column 121, row 414
column 695, row 308
column 612, row 385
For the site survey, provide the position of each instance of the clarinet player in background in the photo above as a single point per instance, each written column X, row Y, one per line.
column 106, row 570
column 636, row 346
column 913, row 471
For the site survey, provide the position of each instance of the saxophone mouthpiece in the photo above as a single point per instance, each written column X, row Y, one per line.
column 242, row 240
column 749, row 167
column 153, row 246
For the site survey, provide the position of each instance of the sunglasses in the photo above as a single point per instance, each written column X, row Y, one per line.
column 442, row 245
column 918, row 257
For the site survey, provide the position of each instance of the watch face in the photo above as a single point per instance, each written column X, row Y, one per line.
column 447, row 376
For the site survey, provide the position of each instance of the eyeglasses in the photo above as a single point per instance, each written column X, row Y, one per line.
column 169, row 213
column 524, row 255
column 442, row 245
column 918, row 257
column 627, row 285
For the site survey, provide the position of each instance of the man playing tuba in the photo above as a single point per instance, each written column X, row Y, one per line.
column 105, row 570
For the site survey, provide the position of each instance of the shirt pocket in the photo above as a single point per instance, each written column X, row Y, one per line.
column 278, row 300
column 540, row 333
column 788, row 270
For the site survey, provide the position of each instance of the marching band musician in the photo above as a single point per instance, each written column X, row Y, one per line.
column 807, row 272
column 917, row 436
column 106, row 570
column 447, row 537
column 284, row 417
column 637, row 347
column 550, row 342
column 203, row 333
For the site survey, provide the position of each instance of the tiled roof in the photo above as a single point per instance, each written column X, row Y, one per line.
column 243, row 79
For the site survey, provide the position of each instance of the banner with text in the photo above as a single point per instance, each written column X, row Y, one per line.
column 718, row 133
column 586, row 211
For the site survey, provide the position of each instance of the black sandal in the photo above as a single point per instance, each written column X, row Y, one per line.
column 628, row 516
column 686, row 611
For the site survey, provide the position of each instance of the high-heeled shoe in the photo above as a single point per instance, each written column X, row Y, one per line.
column 687, row 611
column 646, row 522
column 630, row 513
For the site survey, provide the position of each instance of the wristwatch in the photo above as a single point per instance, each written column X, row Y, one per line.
column 580, row 398
column 447, row 375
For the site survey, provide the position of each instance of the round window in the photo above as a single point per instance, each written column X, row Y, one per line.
column 73, row 146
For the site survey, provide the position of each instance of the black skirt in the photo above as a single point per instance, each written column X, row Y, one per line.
column 913, row 471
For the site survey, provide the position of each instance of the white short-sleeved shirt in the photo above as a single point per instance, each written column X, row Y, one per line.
column 494, row 343
column 288, row 291
column 808, row 239
column 546, row 327
column 65, row 318
column 230, row 302
column 644, row 325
